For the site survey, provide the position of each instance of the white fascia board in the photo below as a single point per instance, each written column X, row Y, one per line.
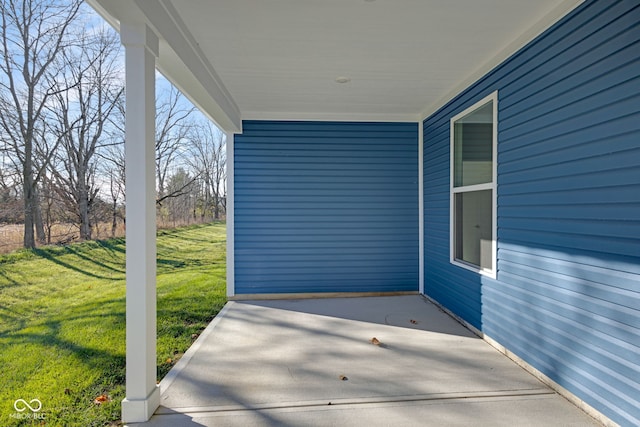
column 179, row 74
column 181, row 61
column 559, row 12
column 331, row 117
column 185, row 65
column 108, row 12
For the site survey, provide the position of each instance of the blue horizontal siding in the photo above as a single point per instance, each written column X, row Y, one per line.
column 567, row 294
column 326, row 207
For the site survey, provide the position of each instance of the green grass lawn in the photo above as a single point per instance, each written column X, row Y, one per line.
column 62, row 321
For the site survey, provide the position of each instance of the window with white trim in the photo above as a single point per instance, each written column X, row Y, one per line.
column 473, row 187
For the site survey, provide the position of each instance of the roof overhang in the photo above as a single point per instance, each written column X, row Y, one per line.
column 280, row 59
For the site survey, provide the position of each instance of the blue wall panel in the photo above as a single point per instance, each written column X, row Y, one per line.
column 326, row 207
column 567, row 294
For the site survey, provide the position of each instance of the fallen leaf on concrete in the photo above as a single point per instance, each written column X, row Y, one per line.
column 374, row 341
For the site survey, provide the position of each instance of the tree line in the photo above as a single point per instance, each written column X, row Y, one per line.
column 62, row 128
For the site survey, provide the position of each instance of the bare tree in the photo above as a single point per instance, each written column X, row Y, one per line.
column 207, row 157
column 33, row 34
column 172, row 127
column 10, row 210
column 173, row 132
column 116, row 192
column 112, row 163
column 7, row 173
column 52, row 210
column 181, row 206
column 81, row 115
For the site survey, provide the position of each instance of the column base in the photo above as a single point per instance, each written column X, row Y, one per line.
column 138, row 411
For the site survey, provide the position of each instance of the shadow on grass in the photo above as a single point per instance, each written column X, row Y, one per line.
column 194, row 239
column 8, row 316
column 83, row 336
column 166, row 265
column 91, row 259
column 178, row 319
column 55, row 258
column 179, row 233
column 95, row 359
column 170, row 263
column 79, row 340
column 10, row 282
column 112, row 245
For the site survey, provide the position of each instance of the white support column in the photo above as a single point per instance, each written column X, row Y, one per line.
column 231, row 290
column 421, row 207
column 141, row 51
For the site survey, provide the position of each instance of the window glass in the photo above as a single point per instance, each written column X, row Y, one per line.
column 473, row 187
column 474, row 228
column 473, row 147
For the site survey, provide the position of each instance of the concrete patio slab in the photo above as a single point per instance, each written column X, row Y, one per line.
column 312, row 362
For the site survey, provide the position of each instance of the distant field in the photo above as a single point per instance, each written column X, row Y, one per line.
column 62, row 321
column 11, row 235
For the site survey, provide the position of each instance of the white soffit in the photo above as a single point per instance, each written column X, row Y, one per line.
column 279, row 59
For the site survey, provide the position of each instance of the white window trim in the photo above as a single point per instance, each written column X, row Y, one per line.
column 488, row 186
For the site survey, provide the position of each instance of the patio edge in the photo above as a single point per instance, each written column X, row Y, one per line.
column 318, row 295
column 576, row 401
column 168, row 379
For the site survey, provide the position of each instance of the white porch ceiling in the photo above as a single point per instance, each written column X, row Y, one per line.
column 279, row 59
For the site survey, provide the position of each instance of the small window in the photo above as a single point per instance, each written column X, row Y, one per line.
column 473, row 187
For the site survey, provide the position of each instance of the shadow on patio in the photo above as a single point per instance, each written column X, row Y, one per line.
column 312, row 362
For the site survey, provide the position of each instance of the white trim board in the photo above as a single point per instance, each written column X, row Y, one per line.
column 421, row 242
column 562, row 10
column 318, row 295
column 331, row 117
